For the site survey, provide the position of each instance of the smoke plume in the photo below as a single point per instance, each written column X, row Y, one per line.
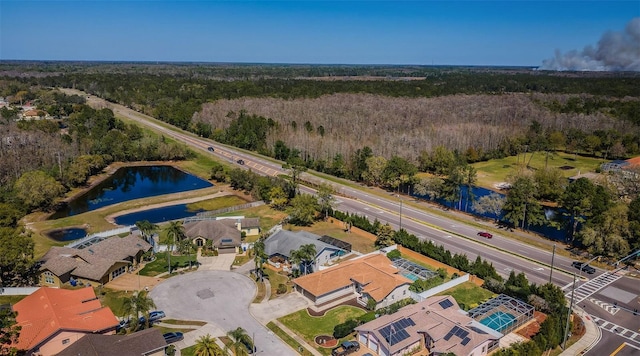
column 616, row 51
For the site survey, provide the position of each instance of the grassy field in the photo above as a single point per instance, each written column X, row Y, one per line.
column 114, row 299
column 160, row 264
column 217, row 203
column 498, row 170
column 468, row 295
column 268, row 217
column 358, row 243
column 288, row 339
column 309, row 326
column 11, row 299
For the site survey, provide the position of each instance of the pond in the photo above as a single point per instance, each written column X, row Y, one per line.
column 467, row 206
column 129, row 183
column 157, row 215
column 69, row 234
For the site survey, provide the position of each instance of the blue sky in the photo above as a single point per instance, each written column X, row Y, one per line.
column 351, row 32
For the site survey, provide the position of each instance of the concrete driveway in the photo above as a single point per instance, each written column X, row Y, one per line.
column 217, row 297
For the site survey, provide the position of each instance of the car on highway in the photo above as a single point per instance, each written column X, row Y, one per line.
column 240, row 162
column 211, row 149
column 172, row 337
column 583, row 267
column 485, row 234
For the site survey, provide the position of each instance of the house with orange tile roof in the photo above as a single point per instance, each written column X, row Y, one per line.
column 52, row 319
column 436, row 324
column 33, row 114
column 372, row 276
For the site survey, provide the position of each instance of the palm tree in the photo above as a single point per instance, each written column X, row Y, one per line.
column 138, row 305
column 146, row 228
column 259, row 253
column 240, row 339
column 206, row 346
column 308, row 252
column 295, row 256
column 175, row 232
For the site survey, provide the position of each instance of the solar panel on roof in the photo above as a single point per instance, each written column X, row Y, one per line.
column 465, row 341
column 448, row 336
column 478, row 330
column 446, row 304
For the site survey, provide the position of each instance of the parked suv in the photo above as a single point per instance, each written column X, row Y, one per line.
column 347, row 347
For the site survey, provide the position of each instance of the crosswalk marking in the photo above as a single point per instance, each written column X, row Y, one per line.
column 586, row 290
column 617, row 329
column 610, row 308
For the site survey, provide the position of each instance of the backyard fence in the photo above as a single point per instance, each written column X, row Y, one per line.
column 438, row 289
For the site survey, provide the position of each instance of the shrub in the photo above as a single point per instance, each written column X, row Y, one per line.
column 344, row 329
column 394, row 254
column 282, row 289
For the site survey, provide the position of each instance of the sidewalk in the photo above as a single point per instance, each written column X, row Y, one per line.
column 591, row 337
column 297, row 338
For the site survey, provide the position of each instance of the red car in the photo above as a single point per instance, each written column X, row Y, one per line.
column 485, row 234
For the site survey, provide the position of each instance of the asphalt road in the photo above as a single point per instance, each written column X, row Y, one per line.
column 615, row 305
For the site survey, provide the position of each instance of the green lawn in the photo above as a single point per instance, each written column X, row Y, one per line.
column 114, row 299
column 160, row 264
column 358, row 243
column 275, row 279
column 468, row 295
column 11, row 299
column 309, row 327
column 497, row 170
column 288, row 339
column 217, row 203
column 268, row 217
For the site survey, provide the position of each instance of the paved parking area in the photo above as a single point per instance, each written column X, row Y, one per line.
column 218, row 297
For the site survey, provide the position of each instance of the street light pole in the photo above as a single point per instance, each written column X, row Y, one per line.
column 566, row 329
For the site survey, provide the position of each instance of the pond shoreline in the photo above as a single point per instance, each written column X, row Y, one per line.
column 111, row 218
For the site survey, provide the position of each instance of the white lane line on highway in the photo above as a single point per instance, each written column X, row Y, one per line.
column 539, row 269
column 449, row 236
column 523, row 251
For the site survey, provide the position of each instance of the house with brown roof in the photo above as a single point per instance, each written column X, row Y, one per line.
column 371, row 276
column 52, row 319
column 250, row 226
column 148, row 342
column 97, row 264
column 223, row 234
column 436, row 324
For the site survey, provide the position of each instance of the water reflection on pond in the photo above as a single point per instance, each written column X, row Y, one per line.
column 69, row 234
column 129, row 183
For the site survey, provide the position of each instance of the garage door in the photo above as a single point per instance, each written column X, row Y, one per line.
column 222, row 250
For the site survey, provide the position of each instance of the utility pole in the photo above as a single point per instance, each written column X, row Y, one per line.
column 400, row 224
column 552, row 258
column 566, row 329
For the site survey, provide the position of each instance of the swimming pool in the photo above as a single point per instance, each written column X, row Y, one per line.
column 411, row 276
column 499, row 321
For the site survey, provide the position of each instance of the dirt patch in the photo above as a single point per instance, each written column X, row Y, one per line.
column 327, row 341
column 533, row 327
